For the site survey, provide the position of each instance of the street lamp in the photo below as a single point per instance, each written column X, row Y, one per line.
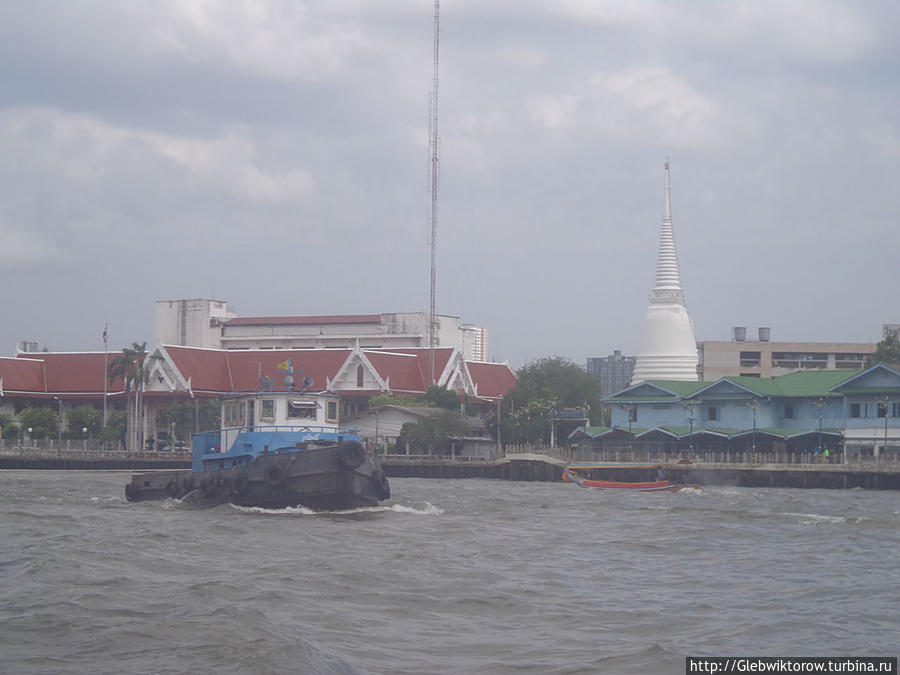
column 752, row 406
column 58, row 420
column 499, row 444
column 820, row 403
column 629, row 408
column 690, row 405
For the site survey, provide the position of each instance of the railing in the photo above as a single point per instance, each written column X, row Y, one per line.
column 74, row 448
column 441, row 459
column 748, row 458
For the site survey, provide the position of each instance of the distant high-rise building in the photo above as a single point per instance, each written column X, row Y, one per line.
column 668, row 348
column 613, row 371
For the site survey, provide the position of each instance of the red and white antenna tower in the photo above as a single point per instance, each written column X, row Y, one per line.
column 433, row 142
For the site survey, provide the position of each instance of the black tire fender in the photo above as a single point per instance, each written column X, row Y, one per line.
column 351, row 454
column 208, row 486
column 239, row 484
column 172, row 488
column 131, row 492
column 274, row 475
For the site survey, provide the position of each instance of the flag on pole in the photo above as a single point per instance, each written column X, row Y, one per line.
column 105, row 326
column 284, row 365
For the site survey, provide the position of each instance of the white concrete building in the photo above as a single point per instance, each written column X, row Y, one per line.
column 191, row 323
column 209, row 324
column 668, row 348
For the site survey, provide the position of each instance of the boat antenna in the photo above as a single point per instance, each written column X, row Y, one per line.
column 433, row 142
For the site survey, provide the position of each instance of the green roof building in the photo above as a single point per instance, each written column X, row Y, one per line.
column 854, row 410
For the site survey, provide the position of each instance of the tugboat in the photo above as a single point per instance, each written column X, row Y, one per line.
column 275, row 450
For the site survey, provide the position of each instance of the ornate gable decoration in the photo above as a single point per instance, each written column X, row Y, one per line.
column 455, row 375
column 164, row 376
column 357, row 373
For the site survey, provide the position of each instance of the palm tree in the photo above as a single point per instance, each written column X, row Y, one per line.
column 132, row 367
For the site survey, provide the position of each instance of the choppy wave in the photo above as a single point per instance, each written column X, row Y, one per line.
column 819, row 518
column 511, row 577
column 425, row 510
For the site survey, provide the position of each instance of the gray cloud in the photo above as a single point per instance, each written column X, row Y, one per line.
column 183, row 149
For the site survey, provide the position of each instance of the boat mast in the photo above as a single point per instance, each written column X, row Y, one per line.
column 433, row 141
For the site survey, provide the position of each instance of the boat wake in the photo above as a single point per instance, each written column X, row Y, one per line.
column 425, row 510
column 819, row 519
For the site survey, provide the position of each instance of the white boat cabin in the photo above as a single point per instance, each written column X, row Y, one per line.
column 291, row 409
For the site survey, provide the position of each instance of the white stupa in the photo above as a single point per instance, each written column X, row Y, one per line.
column 668, row 348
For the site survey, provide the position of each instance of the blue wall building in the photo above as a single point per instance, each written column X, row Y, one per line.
column 855, row 412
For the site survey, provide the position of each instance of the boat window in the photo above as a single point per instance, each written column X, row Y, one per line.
column 302, row 410
column 233, row 413
column 267, row 410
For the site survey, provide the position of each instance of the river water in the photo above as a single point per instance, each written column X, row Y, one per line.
column 450, row 576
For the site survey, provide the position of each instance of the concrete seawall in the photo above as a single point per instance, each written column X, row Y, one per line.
column 525, row 467
column 538, row 467
column 789, row 475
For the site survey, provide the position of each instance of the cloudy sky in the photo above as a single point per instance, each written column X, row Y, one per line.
column 274, row 154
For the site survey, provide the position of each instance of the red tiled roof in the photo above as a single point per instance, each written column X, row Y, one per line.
column 206, row 368
column 214, row 371
column 403, row 370
column 248, row 366
column 493, row 379
column 21, row 375
column 299, row 320
column 74, row 372
column 423, row 357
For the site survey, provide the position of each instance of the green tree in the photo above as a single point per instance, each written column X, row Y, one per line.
column 209, row 415
column 116, row 426
column 389, row 398
column 41, row 421
column 185, row 418
column 84, row 417
column 887, row 351
column 132, row 367
column 441, row 397
column 543, row 386
column 433, row 432
column 180, row 416
column 8, row 427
